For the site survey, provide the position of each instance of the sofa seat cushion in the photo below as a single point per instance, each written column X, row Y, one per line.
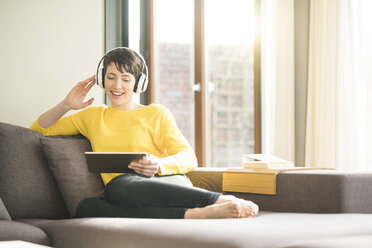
column 12, row 230
column 266, row 230
column 27, row 186
column 355, row 241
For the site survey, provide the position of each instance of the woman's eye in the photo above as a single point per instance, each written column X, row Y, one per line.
column 110, row 78
column 127, row 81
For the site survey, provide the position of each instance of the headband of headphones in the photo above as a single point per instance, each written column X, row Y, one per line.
column 141, row 81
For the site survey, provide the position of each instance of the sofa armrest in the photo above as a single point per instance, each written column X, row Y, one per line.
column 4, row 215
column 207, row 178
column 14, row 230
column 315, row 191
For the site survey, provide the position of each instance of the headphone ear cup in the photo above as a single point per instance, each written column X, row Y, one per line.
column 103, row 77
column 141, row 84
column 100, row 78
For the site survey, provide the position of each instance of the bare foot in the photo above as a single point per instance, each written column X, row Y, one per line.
column 226, row 198
column 248, row 208
column 230, row 209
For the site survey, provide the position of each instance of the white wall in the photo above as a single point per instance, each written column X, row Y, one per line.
column 46, row 48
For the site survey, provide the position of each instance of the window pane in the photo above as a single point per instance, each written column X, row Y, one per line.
column 134, row 24
column 174, row 55
column 229, row 47
column 134, row 31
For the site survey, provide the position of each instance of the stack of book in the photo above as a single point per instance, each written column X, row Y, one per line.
column 257, row 174
column 265, row 162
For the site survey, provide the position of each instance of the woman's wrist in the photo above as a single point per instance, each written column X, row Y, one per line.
column 65, row 107
column 47, row 119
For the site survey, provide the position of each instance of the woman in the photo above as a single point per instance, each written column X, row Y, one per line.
column 131, row 127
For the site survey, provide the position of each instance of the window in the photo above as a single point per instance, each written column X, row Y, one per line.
column 174, row 56
column 229, row 36
column 203, row 69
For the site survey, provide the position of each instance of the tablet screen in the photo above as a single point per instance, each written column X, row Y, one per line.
column 112, row 162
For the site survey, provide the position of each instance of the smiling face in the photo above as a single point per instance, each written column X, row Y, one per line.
column 119, row 87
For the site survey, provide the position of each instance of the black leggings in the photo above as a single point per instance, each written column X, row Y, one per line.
column 136, row 196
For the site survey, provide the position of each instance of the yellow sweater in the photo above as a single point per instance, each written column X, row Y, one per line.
column 150, row 129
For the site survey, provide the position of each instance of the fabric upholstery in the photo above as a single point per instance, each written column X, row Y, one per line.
column 67, row 162
column 12, row 230
column 267, row 230
column 27, row 186
column 4, row 215
column 357, row 241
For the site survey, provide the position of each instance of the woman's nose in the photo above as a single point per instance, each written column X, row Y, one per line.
column 117, row 83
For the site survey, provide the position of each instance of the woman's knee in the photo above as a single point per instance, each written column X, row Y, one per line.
column 118, row 187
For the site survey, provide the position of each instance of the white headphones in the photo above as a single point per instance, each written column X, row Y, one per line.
column 141, row 82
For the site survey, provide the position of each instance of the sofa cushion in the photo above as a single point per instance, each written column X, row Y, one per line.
column 67, row 162
column 267, row 230
column 359, row 241
column 4, row 215
column 27, row 186
column 12, row 230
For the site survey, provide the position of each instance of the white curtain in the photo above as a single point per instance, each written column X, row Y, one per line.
column 339, row 108
column 277, row 77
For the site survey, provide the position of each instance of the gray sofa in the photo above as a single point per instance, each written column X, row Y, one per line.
column 310, row 209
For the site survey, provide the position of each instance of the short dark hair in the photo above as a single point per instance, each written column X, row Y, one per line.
column 124, row 58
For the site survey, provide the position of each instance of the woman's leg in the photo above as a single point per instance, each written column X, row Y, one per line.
column 135, row 190
column 99, row 207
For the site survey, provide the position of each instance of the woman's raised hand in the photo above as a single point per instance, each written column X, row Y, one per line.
column 75, row 98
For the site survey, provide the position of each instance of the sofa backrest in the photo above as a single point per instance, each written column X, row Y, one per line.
column 27, row 186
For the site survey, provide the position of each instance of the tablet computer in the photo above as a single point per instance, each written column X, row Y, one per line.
column 112, row 162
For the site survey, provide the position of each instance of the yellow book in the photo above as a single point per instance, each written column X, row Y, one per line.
column 258, row 181
column 249, row 181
